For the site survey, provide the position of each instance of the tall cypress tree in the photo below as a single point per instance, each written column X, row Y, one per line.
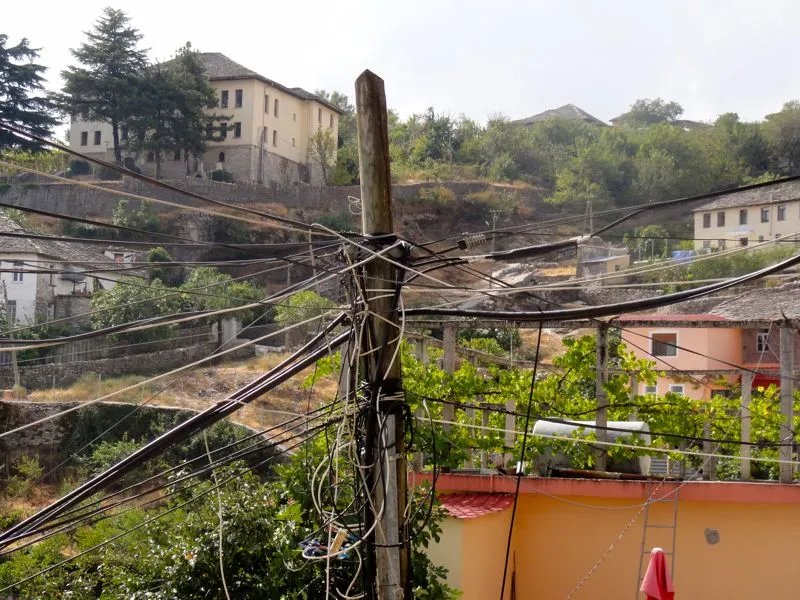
column 104, row 87
column 22, row 101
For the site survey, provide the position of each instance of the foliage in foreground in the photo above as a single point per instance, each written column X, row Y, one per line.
column 177, row 556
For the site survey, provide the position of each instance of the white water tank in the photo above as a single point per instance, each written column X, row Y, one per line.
column 618, row 429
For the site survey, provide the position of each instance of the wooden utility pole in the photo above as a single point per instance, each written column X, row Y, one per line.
column 601, row 411
column 385, row 461
column 10, row 323
column 787, row 388
column 746, row 450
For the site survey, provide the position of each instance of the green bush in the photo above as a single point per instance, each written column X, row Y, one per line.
column 27, row 473
column 79, row 167
column 222, row 175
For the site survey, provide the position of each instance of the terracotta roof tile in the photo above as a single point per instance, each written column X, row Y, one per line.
column 471, row 506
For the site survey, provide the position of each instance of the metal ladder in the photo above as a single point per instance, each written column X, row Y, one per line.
column 661, row 533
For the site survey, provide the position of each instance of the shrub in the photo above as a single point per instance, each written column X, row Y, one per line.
column 79, row 167
column 222, row 175
column 27, row 473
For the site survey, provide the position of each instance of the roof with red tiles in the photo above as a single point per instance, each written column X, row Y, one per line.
column 471, row 506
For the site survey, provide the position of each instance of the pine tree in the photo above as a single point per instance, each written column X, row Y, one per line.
column 105, row 86
column 22, row 101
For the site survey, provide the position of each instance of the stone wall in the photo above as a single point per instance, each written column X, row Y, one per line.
column 65, row 374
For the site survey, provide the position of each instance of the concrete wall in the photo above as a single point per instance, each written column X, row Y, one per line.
column 64, row 374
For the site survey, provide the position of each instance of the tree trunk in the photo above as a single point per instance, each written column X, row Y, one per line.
column 158, row 165
column 115, row 136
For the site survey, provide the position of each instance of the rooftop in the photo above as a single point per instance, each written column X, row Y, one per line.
column 668, row 317
column 768, row 304
column 729, row 492
column 779, row 192
column 568, row 112
column 470, row 506
column 219, row 68
column 55, row 248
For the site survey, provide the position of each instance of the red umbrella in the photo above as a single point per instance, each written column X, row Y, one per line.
column 657, row 583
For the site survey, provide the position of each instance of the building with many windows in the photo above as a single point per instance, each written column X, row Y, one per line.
column 748, row 217
column 266, row 139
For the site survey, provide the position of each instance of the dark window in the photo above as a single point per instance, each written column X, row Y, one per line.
column 720, row 219
column 761, row 238
column 84, row 138
column 781, row 213
column 237, row 130
column 743, row 241
column 721, row 245
column 764, row 215
column 124, row 133
column 12, row 309
column 97, row 138
column 706, row 244
column 664, row 344
column 238, row 99
column 292, row 142
column 266, row 103
column 276, row 107
column 209, row 131
column 743, row 217
column 264, row 137
column 151, row 157
column 274, row 136
column 221, row 157
column 319, row 116
column 706, row 220
column 331, row 121
column 223, row 99
column 762, row 340
column 223, row 131
column 17, row 275
column 177, row 155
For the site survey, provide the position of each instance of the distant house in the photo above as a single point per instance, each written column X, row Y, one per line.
column 598, row 262
column 46, row 279
column 568, row 112
column 268, row 140
column 742, row 218
column 702, row 354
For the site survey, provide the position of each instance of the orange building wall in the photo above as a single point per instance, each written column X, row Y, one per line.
column 556, row 543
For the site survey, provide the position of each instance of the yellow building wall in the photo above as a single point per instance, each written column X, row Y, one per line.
column 754, row 229
column 557, row 543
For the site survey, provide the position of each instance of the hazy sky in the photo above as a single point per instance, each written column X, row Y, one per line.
column 476, row 58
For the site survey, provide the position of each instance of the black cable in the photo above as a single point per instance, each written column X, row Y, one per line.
column 520, row 468
column 185, row 430
column 606, row 310
column 155, row 182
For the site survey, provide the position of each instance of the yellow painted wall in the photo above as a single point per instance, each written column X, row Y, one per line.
column 753, row 230
column 556, row 544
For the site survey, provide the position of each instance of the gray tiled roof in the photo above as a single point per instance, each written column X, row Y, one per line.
column 66, row 252
column 568, row 112
column 780, row 192
column 220, row 67
column 768, row 304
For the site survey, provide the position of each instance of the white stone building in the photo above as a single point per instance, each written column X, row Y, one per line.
column 65, row 287
column 268, row 140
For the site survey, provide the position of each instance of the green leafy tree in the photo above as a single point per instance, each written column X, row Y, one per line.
column 207, row 288
column 132, row 299
column 104, row 85
column 322, row 151
column 23, row 102
column 645, row 111
column 172, row 115
column 301, row 306
column 783, row 128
